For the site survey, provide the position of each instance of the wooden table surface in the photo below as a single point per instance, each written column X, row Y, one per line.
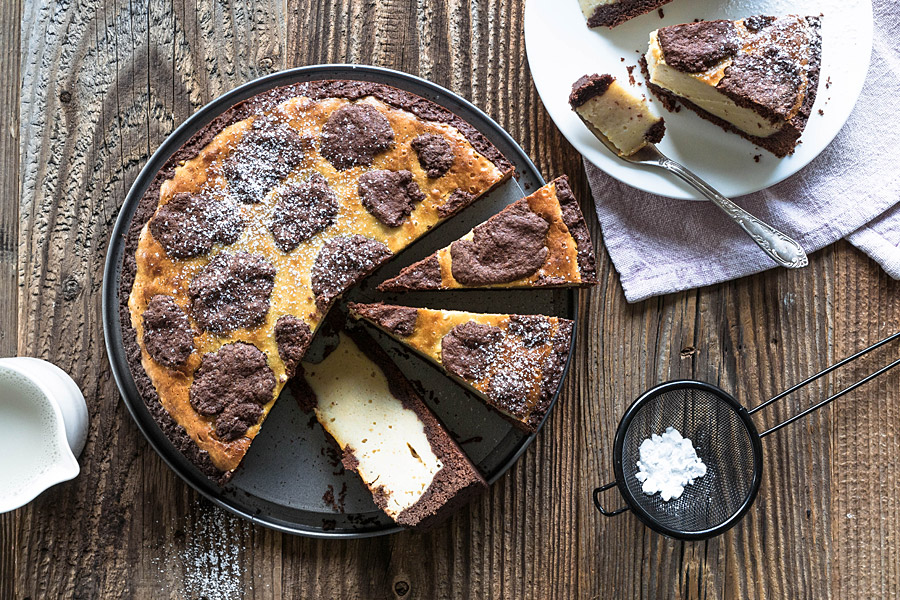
column 98, row 85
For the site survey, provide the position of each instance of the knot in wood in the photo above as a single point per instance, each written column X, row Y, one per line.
column 70, row 288
column 401, row 588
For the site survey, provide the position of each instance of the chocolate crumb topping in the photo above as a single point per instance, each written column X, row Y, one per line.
column 267, row 153
column 589, row 86
column 533, row 330
column 757, row 23
column 695, row 47
column 189, row 224
column 508, row 246
column 232, row 385
column 252, row 108
column 455, row 202
column 232, row 291
column 390, row 196
column 236, row 419
column 467, row 350
column 168, row 336
column 770, row 80
column 302, row 211
column 293, row 337
column 509, row 389
column 435, row 154
column 354, row 134
column 399, row 320
column 341, row 262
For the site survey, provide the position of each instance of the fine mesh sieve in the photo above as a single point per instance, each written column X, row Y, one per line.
column 724, row 437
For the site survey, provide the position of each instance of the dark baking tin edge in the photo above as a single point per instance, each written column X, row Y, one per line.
column 112, row 272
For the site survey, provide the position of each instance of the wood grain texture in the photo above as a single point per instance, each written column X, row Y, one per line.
column 10, row 59
column 105, row 81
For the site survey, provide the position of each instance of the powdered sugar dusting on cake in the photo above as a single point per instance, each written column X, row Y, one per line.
column 507, row 365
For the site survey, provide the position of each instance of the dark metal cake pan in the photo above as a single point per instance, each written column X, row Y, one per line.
column 291, row 475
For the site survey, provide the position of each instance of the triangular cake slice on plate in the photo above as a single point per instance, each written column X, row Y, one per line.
column 513, row 362
column 538, row 241
column 417, row 474
column 756, row 77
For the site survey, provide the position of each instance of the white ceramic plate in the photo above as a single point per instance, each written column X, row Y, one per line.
column 561, row 49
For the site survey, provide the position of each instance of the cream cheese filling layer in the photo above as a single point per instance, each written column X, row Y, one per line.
column 700, row 88
column 621, row 116
column 356, row 407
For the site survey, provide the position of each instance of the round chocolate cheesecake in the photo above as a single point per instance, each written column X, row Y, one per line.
column 257, row 225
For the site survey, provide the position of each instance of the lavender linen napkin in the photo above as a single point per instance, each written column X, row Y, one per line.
column 852, row 190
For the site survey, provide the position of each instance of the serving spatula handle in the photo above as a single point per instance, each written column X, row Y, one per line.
column 780, row 247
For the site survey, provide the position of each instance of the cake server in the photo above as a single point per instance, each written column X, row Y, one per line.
column 780, row 247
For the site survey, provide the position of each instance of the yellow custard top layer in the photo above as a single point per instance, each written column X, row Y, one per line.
column 157, row 273
column 562, row 258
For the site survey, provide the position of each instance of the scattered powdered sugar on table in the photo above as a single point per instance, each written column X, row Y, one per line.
column 668, row 464
column 208, row 560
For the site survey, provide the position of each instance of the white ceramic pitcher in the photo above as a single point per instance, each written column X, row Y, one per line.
column 43, row 427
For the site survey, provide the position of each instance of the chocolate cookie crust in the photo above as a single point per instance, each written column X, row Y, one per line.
column 456, row 484
column 574, row 220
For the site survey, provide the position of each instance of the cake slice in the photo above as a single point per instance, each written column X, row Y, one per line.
column 417, row 474
column 756, row 77
column 609, row 13
column 514, row 363
column 538, row 241
column 614, row 114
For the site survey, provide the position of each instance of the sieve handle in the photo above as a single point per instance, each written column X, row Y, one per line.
column 603, row 511
column 833, row 397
